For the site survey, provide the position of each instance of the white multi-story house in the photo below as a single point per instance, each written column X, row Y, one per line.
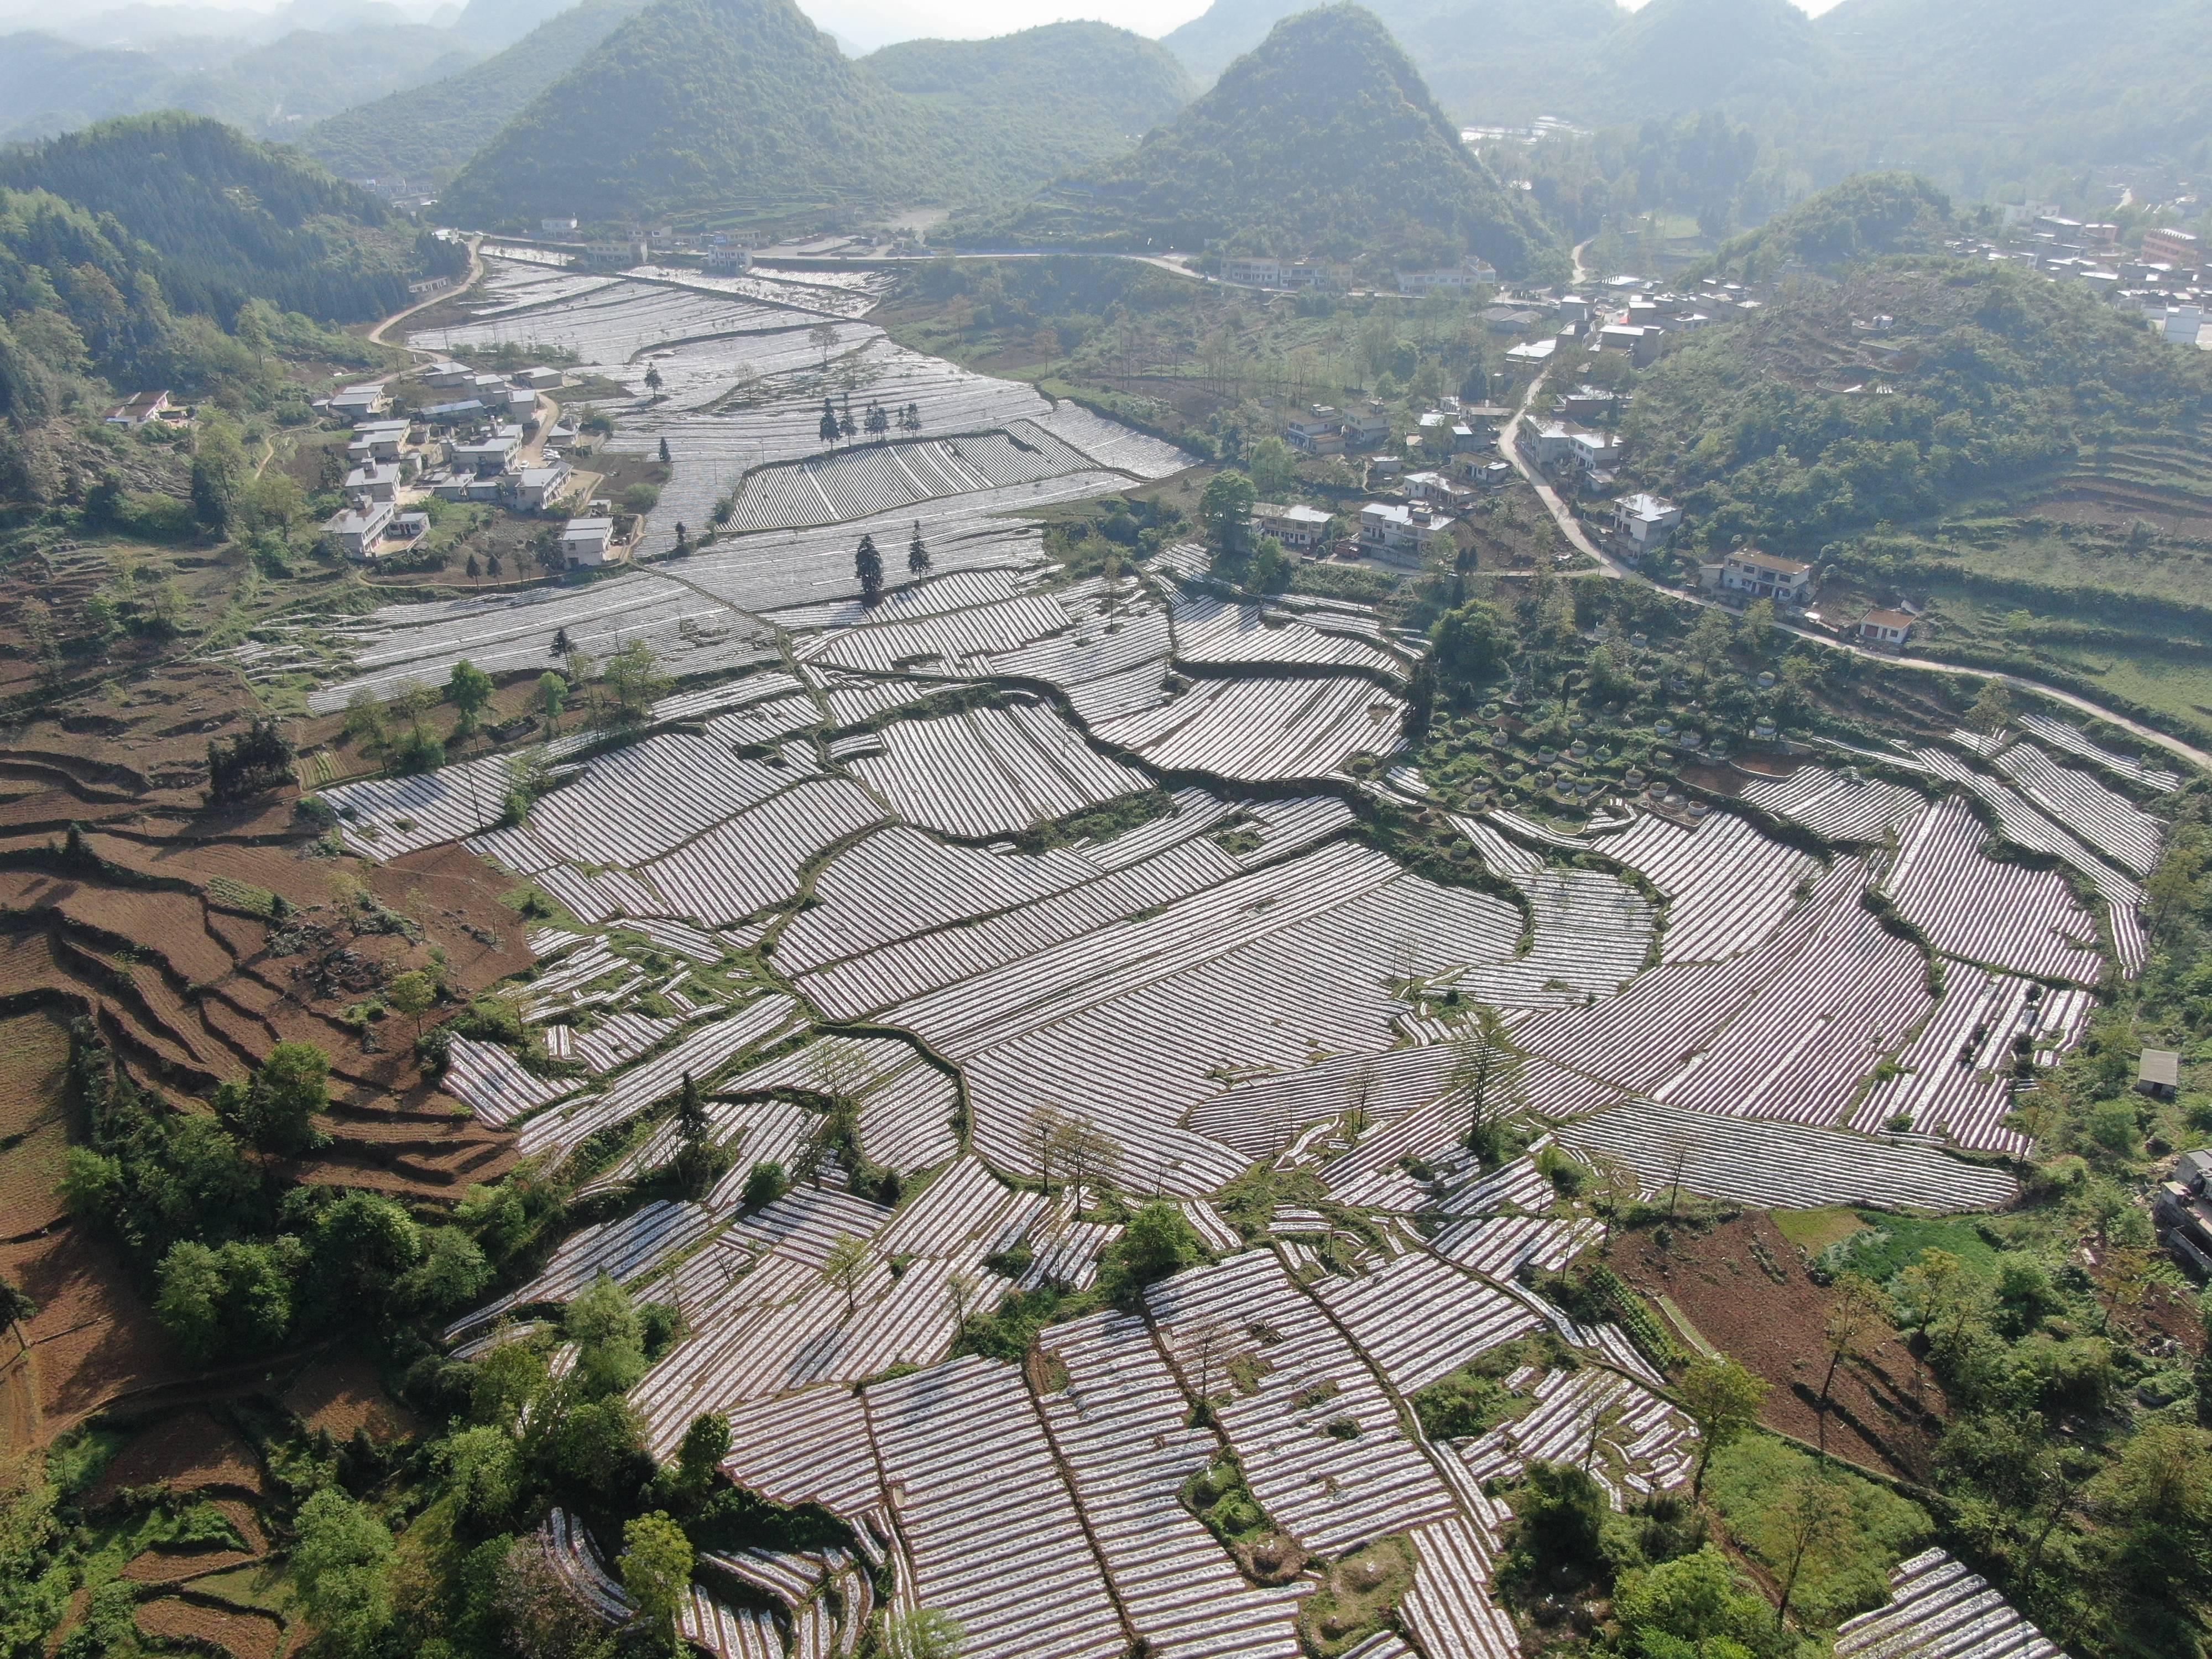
column 1758, row 575
column 1646, row 520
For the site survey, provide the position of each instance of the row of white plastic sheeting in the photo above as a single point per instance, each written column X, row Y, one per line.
column 1940, row 1610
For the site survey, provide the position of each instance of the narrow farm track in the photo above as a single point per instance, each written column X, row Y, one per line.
column 1615, row 570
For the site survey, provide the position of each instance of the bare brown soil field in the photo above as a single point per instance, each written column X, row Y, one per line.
column 94, row 1337
column 341, row 1394
column 1884, row 1407
column 33, row 1127
column 233, row 1629
column 191, row 1451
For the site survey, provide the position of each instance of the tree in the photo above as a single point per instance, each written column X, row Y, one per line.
column 1815, row 1516
column 696, row 1162
column 484, row 1472
column 847, row 1261
column 1275, row 468
column 452, row 1272
column 665, row 458
column 632, row 674
column 868, row 566
column 877, row 422
column 275, row 1110
column 230, row 1298
column 610, row 1338
column 364, row 721
column 917, row 555
column 1700, row 1601
column 1225, row 509
column 653, row 383
column 339, row 1564
column 1490, row 1074
column 543, row 1615
column 1157, row 1240
column 655, row 1566
column 706, row 1443
column 924, row 1633
column 468, row 689
column 412, row 994
column 764, row 1184
column 16, row 1308
column 1206, row 1347
column 472, row 569
column 1558, row 1517
column 1722, row 1398
column 1991, row 709
column 1421, row 699
column 829, row 425
column 825, row 338
column 1855, row 1316
column 1470, row 644
column 552, row 692
column 220, row 475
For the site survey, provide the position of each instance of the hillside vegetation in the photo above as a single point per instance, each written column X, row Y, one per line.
column 227, row 218
column 1035, row 103
column 1323, row 141
column 428, row 131
column 1866, row 216
column 724, row 110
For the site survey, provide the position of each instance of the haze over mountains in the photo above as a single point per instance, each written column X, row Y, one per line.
column 1324, row 140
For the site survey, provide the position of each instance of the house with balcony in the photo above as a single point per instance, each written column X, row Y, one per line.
column 1645, row 522
column 1400, row 533
column 1749, row 574
column 1300, row 528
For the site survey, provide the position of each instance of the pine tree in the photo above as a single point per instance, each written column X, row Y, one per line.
column 868, row 566
column 664, row 457
column 828, row 423
column 917, row 556
column 695, row 1153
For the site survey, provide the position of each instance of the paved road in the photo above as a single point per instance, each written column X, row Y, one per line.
column 475, row 271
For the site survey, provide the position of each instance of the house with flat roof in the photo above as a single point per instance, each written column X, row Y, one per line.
column 378, row 481
column 539, row 379
column 1318, row 432
column 1400, row 533
column 1297, row 527
column 1253, row 273
column 1752, row 574
column 447, row 374
column 360, row 403
column 1646, row 521
column 359, row 530
column 534, row 489
column 378, row 440
column 1890, row 628
column 587, row 541
column 2158, row 1073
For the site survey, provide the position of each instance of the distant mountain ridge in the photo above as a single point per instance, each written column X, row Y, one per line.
column 730, row 109
column 427, row 132
column 1321, row 141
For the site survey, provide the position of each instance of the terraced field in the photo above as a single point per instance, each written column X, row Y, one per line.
column 1010, row 863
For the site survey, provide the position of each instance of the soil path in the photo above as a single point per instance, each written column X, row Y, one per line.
column 475, row 271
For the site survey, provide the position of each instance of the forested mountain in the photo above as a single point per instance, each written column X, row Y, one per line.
column 428, row 131
column 227, row 218
column 1323, row 141
column 493, row 25
column 730, row 109
column 742, row 105
column 49, row 85
column 1977, row 92
column 1043, row 100
column 1867, row 215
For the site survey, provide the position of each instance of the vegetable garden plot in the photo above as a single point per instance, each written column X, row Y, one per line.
column 751, row 1131
column 701, row 1052
column 2075, row 741
column 1636, row 1443
column 382, row 818
column 906, row 1103
column 728, row 1633
column 2109, row 822
column 987, row 1518
column 1971, row 906
column 935, row 595
column 1728, row 886
column 638, row 802
column 515, row 634
column 625, row 1251
column 1120, row 1426
column 883, row 476
column 1448, row 1608
column 993, row 771
column 1801, row 1046
column 936, row 643
column 1502, row 1246
column 1840, row 806
column 1774, row 1165
column 1939, row 1610
column 1112, row 444
column 1421, row 1318
column 806, row 1448
column 1320, row 1442
column 492, row 1084
column 609, row 325
column 1955, row 1079
column 1263, row 731
column 577, row 1558
column 752, row 861
column 1213, row 630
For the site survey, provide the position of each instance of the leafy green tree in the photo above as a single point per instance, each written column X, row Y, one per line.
column 220, row 475
column 655, row 1566
column 552, row 693
column 452, row 1273
column 1470, row 645
column 467, row 688
column 1559, row 1520
column 923, row 1633
column 1273, row 467
column 359, row 1247
column 1695, row 1607
column 483, row 1470
column 765, row 1184
column 698, row 1161
column 228, row 1298
column 339, row 1564
column 1225, row 509
column 275, row 1110
column 1722, row 1398
column 504, row 1381
column 603, row 1323
column 632, row 674
column 843, row 1266
column 706, row 1443
column 1158, row 1241
column 411, row 995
